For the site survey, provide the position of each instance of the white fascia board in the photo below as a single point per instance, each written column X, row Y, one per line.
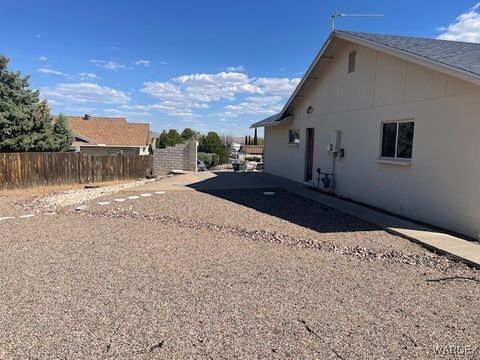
column 273, row 123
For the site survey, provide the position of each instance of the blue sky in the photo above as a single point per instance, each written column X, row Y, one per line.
column 210, row 65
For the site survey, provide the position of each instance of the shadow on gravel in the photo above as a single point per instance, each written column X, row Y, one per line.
column 248, row 189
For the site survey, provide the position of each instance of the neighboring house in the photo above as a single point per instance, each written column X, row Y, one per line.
column 396, row 119
column 250, row 151
column 109, row 136
column 235, row 146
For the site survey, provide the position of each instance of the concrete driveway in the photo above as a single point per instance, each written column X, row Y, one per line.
column 206, row 180
column 223, row 273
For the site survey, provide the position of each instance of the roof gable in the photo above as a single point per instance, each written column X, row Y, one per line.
column 458, row 59
column 461, row 55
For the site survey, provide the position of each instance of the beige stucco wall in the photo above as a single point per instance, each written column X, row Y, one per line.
column 440, row 186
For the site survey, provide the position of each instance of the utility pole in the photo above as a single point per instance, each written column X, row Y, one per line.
column 337, row 15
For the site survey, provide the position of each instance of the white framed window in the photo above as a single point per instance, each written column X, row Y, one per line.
column 397, row 139
column 293, row 136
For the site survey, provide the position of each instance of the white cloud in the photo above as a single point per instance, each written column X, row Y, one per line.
column 277, row 86
column 258, row 105
column 109, row 65
column 145, row 63
column 126, row 113
column 135, row 107
column 42, row 58
column 88, row 76
column 465, row 28
column 161, row 90
column 182, row 95
column 54, row 102
column 81, row 109
column 85, row 93
column 239, row 68
column 45, row 70
column 167, row 107
column 174, row 110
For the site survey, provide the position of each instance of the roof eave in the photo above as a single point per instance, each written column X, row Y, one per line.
column 83, row 138
column 273, row 123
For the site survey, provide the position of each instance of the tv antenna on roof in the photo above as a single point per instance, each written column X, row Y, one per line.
column 337, row 14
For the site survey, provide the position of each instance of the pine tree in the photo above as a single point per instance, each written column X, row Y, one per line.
column 211, row 143
column 249, row 140
column 25, row 121
column 62, row 133
column 246, row 140
column 169, row 139
column 255, row 138
column 189, row 134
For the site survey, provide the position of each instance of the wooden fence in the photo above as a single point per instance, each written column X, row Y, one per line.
column 22, row 170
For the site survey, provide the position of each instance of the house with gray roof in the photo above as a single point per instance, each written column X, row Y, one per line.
column 388, row 121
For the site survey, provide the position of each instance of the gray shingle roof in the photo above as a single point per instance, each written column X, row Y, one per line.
column 461, row 55
column 267, row 121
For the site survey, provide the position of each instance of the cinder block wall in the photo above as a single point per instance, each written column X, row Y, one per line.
column 178, row 157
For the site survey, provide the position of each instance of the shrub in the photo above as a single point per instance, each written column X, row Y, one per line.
column 209, row 159
column 211, row 143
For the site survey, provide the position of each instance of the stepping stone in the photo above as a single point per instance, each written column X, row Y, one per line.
column 80, row 208
column 103, row 203
column 26, row 216
column 51, row 213
column 120, row 200
column 268, row 193
column 145, row 195
column 133, row 197
column 6, row 218
column 159, row 192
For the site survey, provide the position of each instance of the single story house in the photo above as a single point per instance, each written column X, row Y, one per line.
column 388, row 121
column 109, row 136
column 250, row 151
column 235, row 146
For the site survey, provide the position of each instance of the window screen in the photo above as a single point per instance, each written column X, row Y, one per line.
column 405, row 140
column 293, row 136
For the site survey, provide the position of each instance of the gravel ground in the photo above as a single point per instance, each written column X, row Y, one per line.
column 53, row 202
column 194, row 275
column 283, row 213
